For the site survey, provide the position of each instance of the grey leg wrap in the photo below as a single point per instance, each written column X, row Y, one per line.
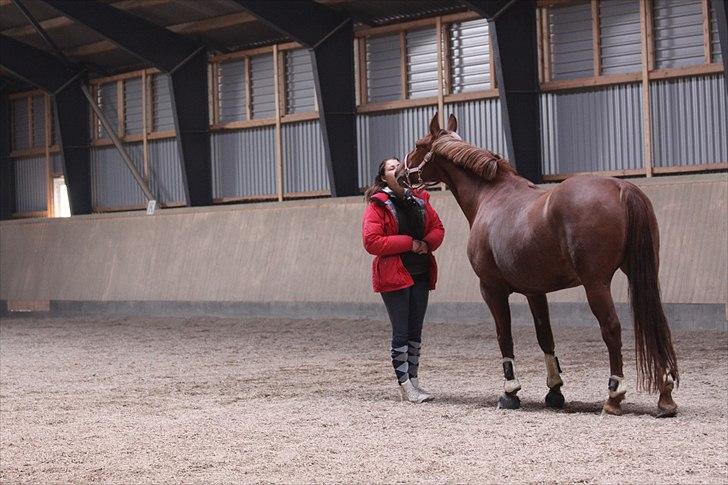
column 413, row 357
column 400, row 363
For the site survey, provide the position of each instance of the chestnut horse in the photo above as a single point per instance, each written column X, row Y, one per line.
column 524, row 239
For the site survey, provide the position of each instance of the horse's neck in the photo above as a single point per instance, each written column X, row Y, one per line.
column 472, row 192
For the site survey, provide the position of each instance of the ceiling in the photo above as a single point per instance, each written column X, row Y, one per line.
column 222, row 25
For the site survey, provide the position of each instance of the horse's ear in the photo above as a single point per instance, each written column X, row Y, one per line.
column 452, row 123
column 434, row 126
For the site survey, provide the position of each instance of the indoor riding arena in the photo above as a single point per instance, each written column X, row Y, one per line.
column 185, row 293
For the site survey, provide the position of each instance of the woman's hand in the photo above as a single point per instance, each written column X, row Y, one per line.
column 420, row 247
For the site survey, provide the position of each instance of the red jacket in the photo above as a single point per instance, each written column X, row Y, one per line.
column 380, row 236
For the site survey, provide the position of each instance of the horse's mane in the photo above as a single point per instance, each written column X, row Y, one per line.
column 481, row 162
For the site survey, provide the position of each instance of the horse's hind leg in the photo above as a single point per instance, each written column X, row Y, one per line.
column 602, row 306
column 497, row 301
column 540, row 311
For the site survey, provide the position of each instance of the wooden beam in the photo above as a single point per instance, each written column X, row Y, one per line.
column 398, row 104
column 243, row 124
column 590, row 82
column 414, row 24
column 471, row 96
column 298, row 117
column 704, row 167
column 278, row 135
column 646, row 104
column 688, row 71
column 606, row 173
column 596, row 38
column 706, row 33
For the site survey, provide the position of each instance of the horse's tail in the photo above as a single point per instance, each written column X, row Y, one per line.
column 653, row 343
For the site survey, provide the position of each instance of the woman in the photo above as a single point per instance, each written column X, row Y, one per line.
column 401, row 229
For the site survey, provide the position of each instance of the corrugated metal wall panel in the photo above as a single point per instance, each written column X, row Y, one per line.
column 38, row 121
column 678, row 33
column 112, row 184
column 162, row 116
column 165, row 171
column 480, row 123
column 304, row 162
column 31, row 184
column 421, row 62
column 262, row 89
column 387, row 135
column 300, row 88
column 133, row 123
column 689, row 121
column 619, row 31
column 21, row 134
column 231, row 86
column 469, row 56
column 714, row 38
column 107, row 96
column 57, row 163
column 592, row 130
column 383, row 68
column 572, row 55
column 243, row 163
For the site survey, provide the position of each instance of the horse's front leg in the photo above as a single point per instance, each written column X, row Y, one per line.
column 497, row 301
column 540, row 311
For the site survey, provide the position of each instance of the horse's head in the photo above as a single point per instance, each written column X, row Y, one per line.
column 421, row 169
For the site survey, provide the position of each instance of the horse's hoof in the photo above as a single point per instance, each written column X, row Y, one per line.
column 509, row 401
column 613, row 408
column 667, row 410
column 667, row 414
column 554, row 399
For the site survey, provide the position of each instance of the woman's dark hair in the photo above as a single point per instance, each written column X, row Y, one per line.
column 378, row 184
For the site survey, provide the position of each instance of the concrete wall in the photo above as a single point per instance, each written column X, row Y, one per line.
column 304, row 253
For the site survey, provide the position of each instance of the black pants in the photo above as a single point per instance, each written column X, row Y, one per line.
column 406, row 309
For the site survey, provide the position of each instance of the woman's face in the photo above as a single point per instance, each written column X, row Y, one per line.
column 390, row 171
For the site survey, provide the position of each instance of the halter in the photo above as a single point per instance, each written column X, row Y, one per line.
column 417, row 170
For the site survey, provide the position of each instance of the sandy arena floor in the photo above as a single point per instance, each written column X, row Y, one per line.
column 128, row 400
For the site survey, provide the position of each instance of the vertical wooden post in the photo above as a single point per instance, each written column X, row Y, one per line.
column 596, row 38
column 546, row 32
column 440, row 81
column 403, row 64
column 646, row 104
column 278, row 141
column 706, row 33
column 29, row 107
column 446, row 56
column 214, row 92
column 248, row 91
column 50, row 203
column 363, row 89
column 145, row 124
column 121, row 130
column 282, row 83
column 491, row 61
column 539, row 42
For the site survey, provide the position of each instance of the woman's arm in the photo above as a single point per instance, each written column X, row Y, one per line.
column 436, row 232
column 375, row 240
